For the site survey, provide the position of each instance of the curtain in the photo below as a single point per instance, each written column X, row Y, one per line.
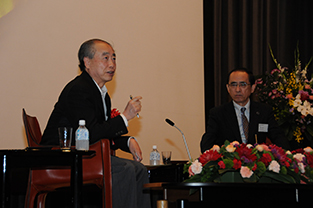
column 237, row 33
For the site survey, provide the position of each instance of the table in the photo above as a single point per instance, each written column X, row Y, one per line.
column 240, row 193
column 42, row 159
column 167, row 173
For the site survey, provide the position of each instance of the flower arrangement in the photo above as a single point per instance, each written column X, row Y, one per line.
column 114, row 113
column 290, row 94
column 253, row 162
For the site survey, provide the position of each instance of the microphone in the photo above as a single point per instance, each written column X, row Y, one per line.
column 172, row 124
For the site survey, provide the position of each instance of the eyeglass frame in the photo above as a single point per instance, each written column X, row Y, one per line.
column 242, row 85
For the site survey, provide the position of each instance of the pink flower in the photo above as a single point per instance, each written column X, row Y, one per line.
column 307, row 87
column 289, row 96
column 195, row 168
column 234, row 143
column 259, row 148
column 245, row 172
column 275, row 70
column 265, row 147
column 274, row 166
column 259, row 81
column 304, row 95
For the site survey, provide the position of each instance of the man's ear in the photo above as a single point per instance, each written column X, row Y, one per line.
column 253, row 88
column 227, row 87
column 87, row 62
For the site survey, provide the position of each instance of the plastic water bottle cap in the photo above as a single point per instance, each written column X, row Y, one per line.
column 154, row 147
column 82, row 122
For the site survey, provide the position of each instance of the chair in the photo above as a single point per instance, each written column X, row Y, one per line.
column 96, row 170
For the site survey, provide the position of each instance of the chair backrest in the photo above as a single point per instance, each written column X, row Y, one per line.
column 32, row 130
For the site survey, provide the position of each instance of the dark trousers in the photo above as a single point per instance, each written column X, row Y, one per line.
column 128, row 178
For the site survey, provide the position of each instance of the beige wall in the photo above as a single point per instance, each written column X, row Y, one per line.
column 159, row 56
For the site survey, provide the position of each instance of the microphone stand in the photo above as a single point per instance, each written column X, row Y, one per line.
column 185, row 142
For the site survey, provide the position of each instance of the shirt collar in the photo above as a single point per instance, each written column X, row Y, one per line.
column 103, row 90
column 238, row 107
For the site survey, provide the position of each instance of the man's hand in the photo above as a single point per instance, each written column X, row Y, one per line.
column 135, row 150
column 132, row 108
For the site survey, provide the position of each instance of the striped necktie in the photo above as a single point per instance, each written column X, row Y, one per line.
column 245, row 124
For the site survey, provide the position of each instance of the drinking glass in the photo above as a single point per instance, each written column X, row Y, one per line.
column 65, row 137
column 166, row 155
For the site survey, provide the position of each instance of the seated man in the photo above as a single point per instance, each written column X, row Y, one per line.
column 241, row 119
column 86, row 97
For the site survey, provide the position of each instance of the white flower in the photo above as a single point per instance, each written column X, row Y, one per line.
column 196, row 167
column 301, row 167
column 303, row 73
column 303, row 110
column 308, row 149
column 297, row 102
column 249, row 146
column 307, row 104
column 274, row 166
column 299, row 157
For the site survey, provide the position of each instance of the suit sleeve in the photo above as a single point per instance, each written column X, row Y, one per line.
column 82, row 104
column 276, row 135
column 209, row 138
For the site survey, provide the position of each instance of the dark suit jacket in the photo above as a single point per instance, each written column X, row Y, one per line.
column 223, row 125
column 81, row 99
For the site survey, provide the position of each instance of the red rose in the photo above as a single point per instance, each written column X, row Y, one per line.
column 210, row 155
column 309, row 159
column 114, row 113
column 237, row 164
column 254, row 167
column 221, row 164
column 266, row 159
column 246, row 153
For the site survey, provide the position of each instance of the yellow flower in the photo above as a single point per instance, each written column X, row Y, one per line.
column 298, row 134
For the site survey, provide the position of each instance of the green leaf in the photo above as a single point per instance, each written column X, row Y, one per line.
column 279, row 177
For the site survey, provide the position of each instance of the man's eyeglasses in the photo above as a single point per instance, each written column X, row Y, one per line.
column 240, row 84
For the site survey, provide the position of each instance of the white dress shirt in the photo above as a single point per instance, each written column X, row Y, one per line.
column 238, row 114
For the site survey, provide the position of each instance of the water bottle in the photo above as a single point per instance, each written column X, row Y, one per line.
column 82, row 136
column 154, row 156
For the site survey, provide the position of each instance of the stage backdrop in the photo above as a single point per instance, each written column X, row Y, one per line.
column 159, row 47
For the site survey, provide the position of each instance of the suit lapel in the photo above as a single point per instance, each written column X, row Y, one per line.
column 232, row 122
column 96, row 92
